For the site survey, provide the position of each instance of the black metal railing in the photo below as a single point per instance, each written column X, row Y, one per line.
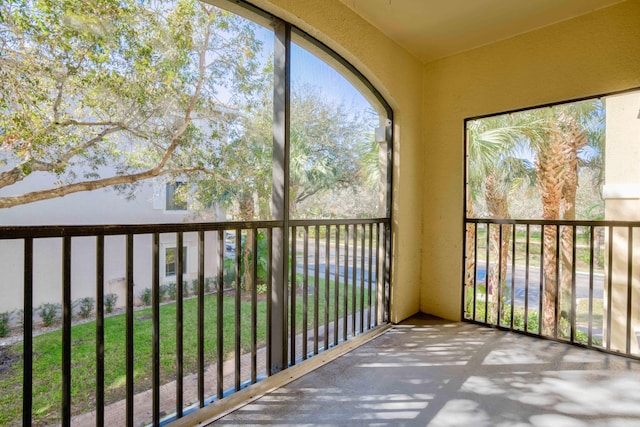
column 220, row 332
column 572, row 281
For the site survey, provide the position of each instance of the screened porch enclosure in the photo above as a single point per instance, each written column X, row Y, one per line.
column 258, row 234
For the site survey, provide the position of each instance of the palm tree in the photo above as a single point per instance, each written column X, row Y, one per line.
column 557, row 144
column 493, row 173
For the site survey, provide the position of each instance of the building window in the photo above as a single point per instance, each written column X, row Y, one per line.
column 175, row 198
column 170, row 261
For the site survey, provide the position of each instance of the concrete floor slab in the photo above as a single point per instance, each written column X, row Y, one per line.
column 431, row 372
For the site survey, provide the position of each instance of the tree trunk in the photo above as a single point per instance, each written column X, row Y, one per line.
column 550, row 172
column 557, row 173
column 497, row 204
column 574, row 138
column 470, row 250
column 247, row 210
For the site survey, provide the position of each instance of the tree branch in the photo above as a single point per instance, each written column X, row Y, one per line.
column 52, row 193
column 175, row 139
column 17, row 173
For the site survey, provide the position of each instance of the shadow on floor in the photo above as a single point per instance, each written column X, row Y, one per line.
column 431, row 372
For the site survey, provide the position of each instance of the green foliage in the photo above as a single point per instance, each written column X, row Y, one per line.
column 145, row 296
column 185, row 288
column 533, row 322
column 86, row 306
column 171, row 291
column 120, row 84
column 48, row 313
column 163, row 290
column 110, row 301
column 229, row 277
column 5, row 327
column 208, row 283
column 262, row 263
column 47, row 375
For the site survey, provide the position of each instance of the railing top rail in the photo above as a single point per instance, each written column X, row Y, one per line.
column 580, row 223
column 48, row 231
column 303, row 222
column 18, row 232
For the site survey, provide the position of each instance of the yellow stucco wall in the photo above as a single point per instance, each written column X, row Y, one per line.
column 588, row 55
column 398, row 76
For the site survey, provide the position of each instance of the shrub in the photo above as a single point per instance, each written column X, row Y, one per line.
column 171, row 291
column 230, row 278
column 4, row 323
column 261, row 289
column 48, row 313
column 86, row 307
column 209, row 285
column 185, row 288
column 110, row 301
column 162, row 292
column 20, row 316
column 145, row 296
column 195, row 285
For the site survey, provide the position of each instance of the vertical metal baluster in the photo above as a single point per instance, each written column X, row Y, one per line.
column 526, row 279
column 327, row 247
column 305, row 295
column 316, row 291
column 254, row 309
column 294, row 287
column 179, row 327
column 238, row 313
column 155, row 339
column 220, row 314
column 486, row 276
column 609, row 287
column 354, row 288
column 66, row 331
column 591, row 253
column 513, row 274
column 201, row 318
column 499, row 284
column 370, row 278
column 129, row 334
column 387, row 272
column 99, row 330
column 285, row 252
column 27, row 370
column 572, row 331
column 346, row 284
column 629, row 288
column 362, row 252
column 336, row 296
column 378, row 275
column 269, row 301
column 557, row 285
column 475, row 270
column 541, row 284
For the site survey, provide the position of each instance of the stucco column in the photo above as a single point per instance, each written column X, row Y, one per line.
column 622, row 203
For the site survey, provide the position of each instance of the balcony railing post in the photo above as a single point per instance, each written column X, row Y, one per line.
column 129, row 331
column 155, row 338
column 27, row 379
column 280, row 194
column 100, row 330
column 66, row 331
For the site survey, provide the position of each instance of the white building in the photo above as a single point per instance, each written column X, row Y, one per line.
column 153, row 204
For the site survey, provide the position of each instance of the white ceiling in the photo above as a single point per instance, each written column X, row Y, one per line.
column 432, row 29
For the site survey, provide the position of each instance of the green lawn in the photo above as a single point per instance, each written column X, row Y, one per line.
column 47, row 353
